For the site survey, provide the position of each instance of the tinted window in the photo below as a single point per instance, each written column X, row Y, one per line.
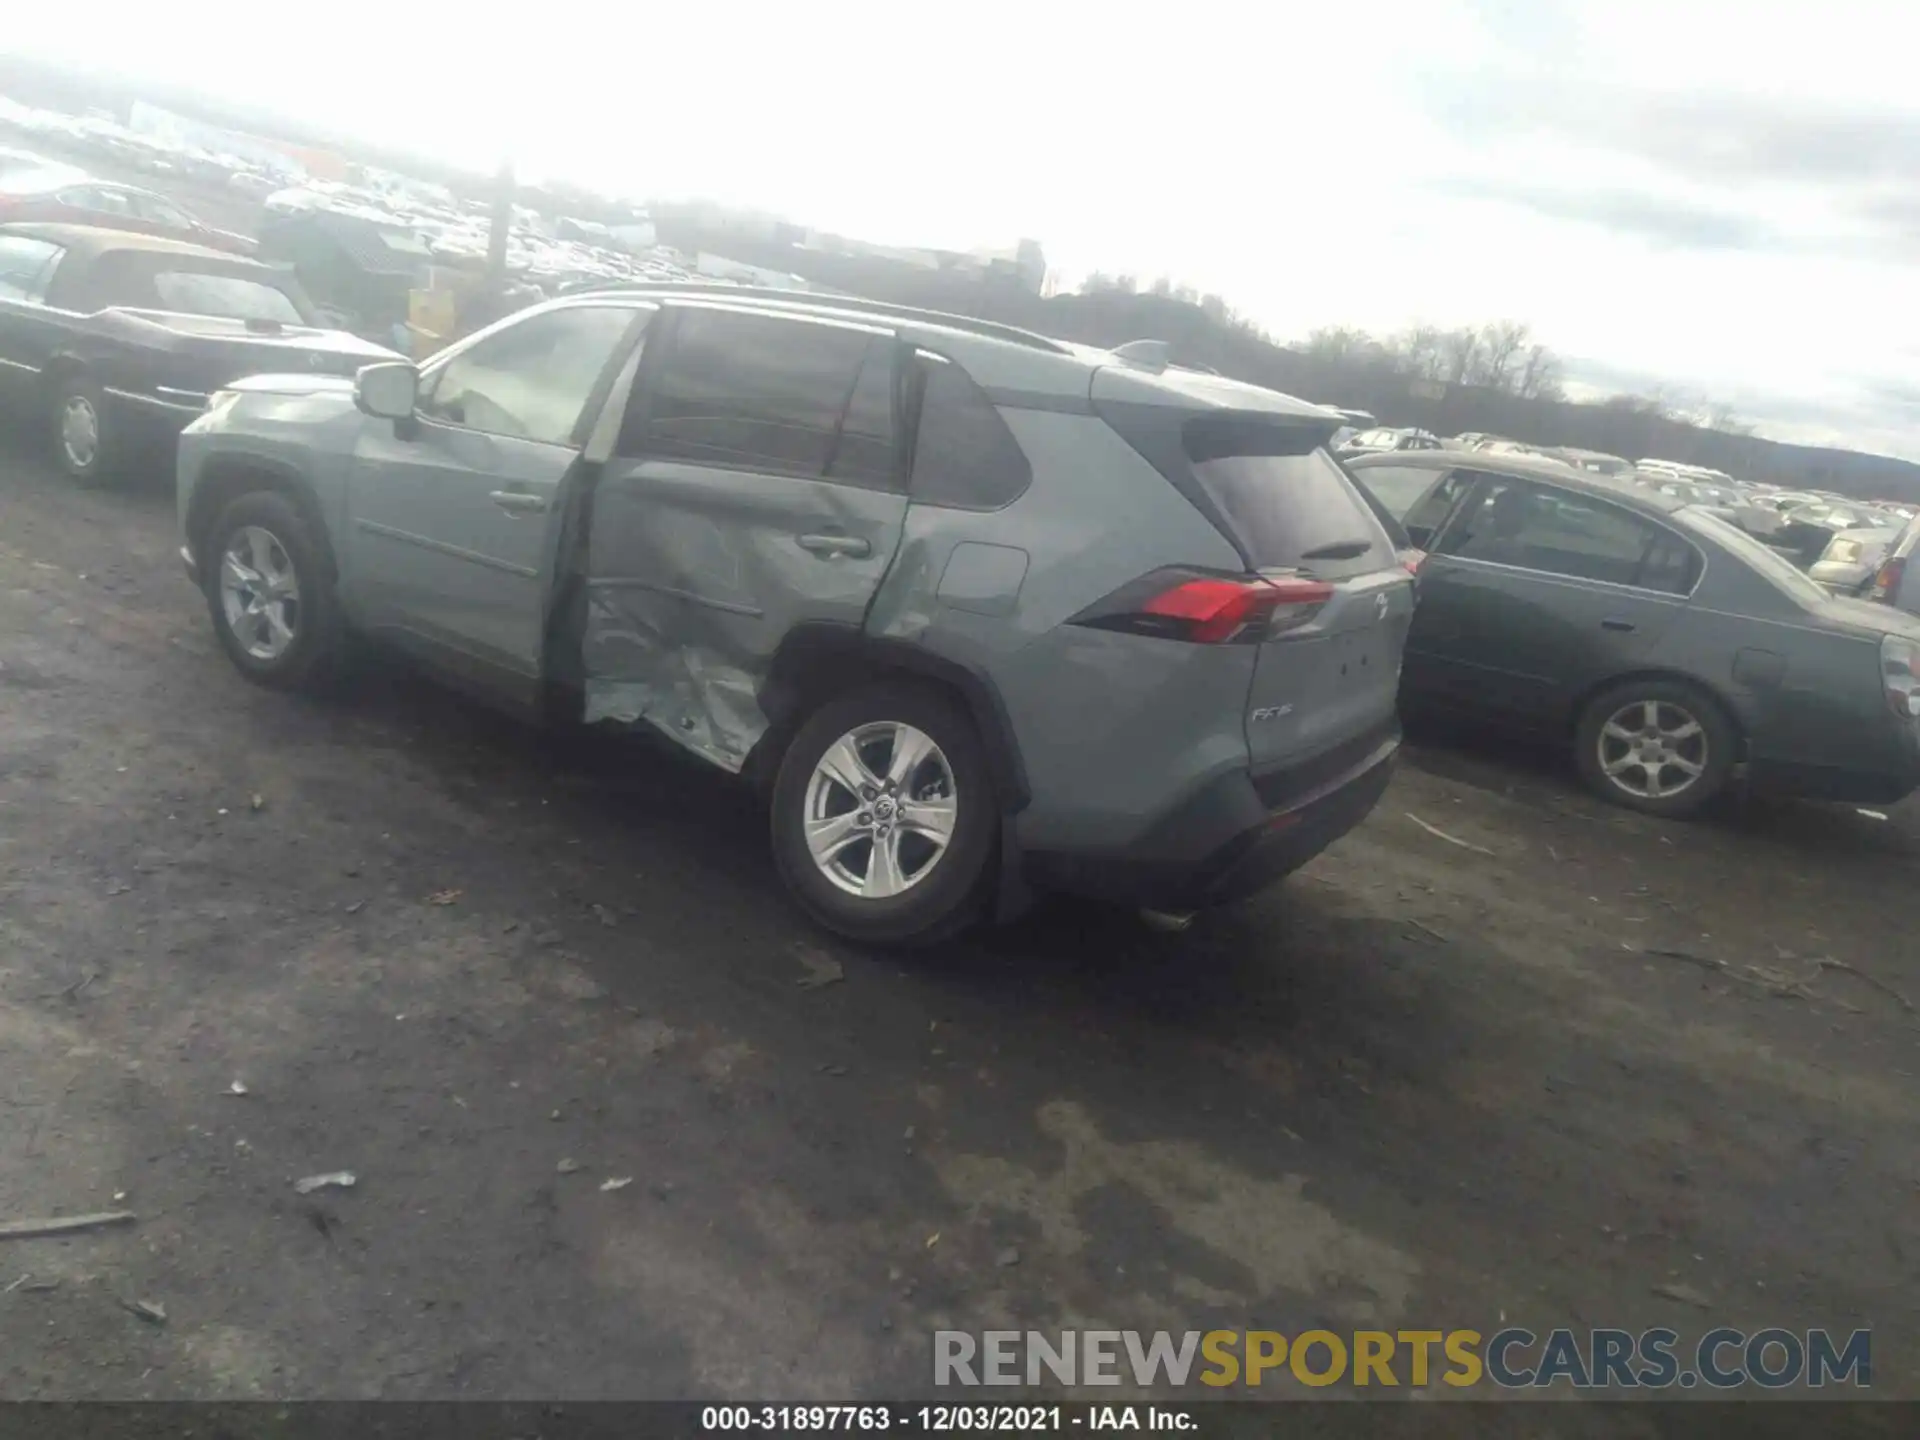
column 25, row 267
column 1508, row 522
column 963, row 454
column 757, row 392
column 234, row 296
column 866, row 454
column 1429, row 514
column 531, row 379
column 1396, row 486
column 1286, row 501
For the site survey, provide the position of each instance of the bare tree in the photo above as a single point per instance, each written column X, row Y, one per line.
column 1341, row 345
column 1503, row 346
column 1162, row 286
column 1417, row 353
column 1126, row 284
column 1460, row 356
column 1538, row 375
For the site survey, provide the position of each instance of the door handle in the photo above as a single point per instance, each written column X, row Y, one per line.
column 517, row 500
column 832, row 545
column 1616, row 625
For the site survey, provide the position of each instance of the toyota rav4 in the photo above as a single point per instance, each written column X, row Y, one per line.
column 982, row 611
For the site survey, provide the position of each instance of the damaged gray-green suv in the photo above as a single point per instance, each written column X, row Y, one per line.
column 983, row 612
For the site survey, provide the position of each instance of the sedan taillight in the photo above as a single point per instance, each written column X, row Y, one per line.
column 1900, row 675
column 1209, row 609
column 1886, row 583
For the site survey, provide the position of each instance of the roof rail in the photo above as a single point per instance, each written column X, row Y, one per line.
column 990, row 329
column 1150, row 355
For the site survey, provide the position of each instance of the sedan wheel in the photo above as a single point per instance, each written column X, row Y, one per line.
column 79, row 433
column 880, row 810
column 259, row 593
column 1653, row 749
column 1665, row 746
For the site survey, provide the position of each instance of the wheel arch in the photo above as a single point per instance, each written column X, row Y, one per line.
column 816, row 662
column 1667, row 676
column 225, row 478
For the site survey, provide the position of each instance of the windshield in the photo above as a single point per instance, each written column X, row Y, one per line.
column 1770, row 563
column 231, row 296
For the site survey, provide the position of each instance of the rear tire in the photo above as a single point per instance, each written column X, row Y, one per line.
column 858, row 821
column 84, row 436
column 1662, row 747
column 270, row 592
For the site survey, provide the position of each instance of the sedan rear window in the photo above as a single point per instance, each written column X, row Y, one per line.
column 1286, row 501
column 231, row 296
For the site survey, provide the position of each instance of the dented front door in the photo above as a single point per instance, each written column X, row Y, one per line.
column 755, row 487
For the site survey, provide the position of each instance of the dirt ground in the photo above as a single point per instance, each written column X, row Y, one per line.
column 1423, row 1084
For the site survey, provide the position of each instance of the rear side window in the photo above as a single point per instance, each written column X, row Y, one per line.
column 1285, row 500
column 26, row 265
column 768, row 393
column 1536, row 527
column 1396, row 487
column 964, row 457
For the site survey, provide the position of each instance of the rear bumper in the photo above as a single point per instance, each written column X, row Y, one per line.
column 1223, row 843
column 1889, row 777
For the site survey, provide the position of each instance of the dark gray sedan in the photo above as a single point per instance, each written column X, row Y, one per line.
column 1665, row 644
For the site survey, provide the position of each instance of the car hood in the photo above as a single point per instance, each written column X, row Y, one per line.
column 294, row 384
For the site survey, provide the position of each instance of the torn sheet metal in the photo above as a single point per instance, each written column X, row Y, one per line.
column 695, row 576
column 644, row 664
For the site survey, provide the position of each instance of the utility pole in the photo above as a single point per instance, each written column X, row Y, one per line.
column 501, row 223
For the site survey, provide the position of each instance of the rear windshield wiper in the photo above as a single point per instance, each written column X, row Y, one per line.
column 1338, row 550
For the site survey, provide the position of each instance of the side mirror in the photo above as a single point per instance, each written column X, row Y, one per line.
column 387, row 389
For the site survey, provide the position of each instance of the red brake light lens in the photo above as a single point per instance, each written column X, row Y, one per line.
column 1886, row 584
column 1210, row 610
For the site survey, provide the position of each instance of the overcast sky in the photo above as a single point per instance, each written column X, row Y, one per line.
column 1719, row 196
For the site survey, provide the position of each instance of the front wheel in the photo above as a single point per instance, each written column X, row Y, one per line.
column 271, row 594
column 885, row 816
column 1663, row 747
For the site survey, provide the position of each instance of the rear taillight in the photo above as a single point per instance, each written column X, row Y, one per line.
column 1900, row 675
column 1209, row 609
column 1886, row 583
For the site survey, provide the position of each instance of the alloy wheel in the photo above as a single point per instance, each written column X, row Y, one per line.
column 1653, row 749
column 259, row 593
column 880, row 809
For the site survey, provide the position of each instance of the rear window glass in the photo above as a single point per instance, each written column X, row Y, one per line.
column 232, row 296
column 1286, row 501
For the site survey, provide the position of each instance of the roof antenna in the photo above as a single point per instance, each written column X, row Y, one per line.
column 1150, row 355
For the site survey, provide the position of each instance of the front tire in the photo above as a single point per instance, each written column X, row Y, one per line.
column 85, row 437
column 885, row 816
column 270, row 593
column 1662, row 747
